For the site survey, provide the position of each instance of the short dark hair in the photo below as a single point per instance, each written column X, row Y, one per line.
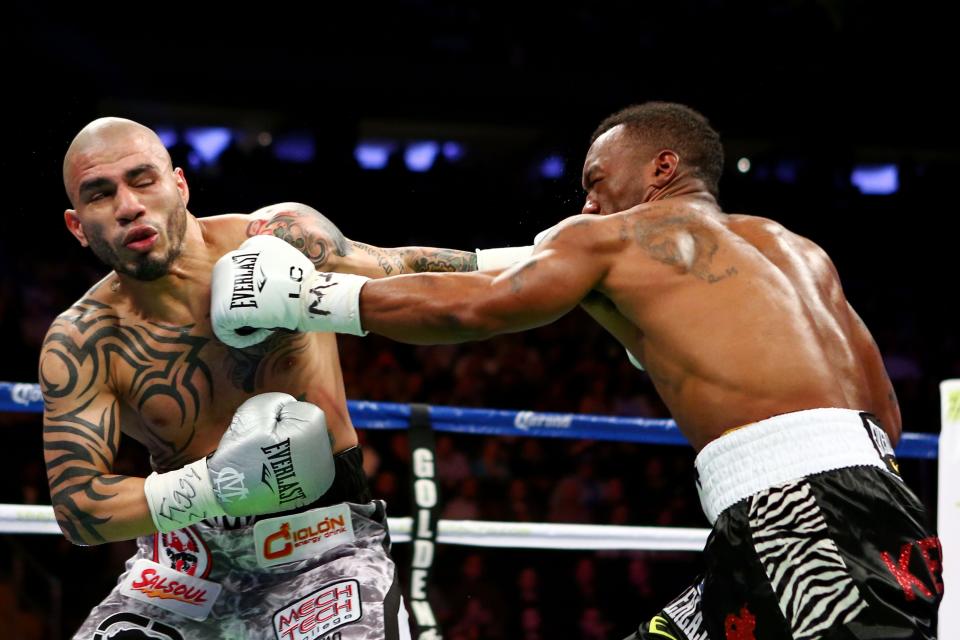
column 674, row 126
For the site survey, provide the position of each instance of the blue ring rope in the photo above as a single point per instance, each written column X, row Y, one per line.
column 25, row 398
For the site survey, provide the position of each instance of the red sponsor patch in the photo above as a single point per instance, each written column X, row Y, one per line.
column 740, row 627
column 184, row 551
column 171, row 590
column 908, row 581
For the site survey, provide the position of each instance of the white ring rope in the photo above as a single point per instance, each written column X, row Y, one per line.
column 21, row 518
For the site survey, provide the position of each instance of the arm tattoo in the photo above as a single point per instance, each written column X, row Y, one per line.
column 684, row 242
column 441, row 260
column 384, row 257
column 77, row 472
column 307, row 230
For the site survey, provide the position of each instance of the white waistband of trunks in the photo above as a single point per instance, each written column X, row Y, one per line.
column 780, row 449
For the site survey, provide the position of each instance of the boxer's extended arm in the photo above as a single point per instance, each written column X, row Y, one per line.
column 442, row 308
column 320, row 240
column 81, row 431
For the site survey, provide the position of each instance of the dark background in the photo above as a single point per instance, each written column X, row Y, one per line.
column 806, row 90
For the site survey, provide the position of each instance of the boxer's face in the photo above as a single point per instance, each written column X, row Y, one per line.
column 614, row 173
column 131, row 206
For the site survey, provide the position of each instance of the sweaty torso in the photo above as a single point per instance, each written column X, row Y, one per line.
column 736, row 319
column 177, row 385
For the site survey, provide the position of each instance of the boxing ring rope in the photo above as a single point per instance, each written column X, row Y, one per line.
column 26, row 398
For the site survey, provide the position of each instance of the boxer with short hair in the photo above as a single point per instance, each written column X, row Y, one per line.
column 240, row 470
column 746, row 334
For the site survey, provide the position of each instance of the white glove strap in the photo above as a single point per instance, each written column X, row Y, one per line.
column 502, row 257
column 182, row 497
column 331, row 302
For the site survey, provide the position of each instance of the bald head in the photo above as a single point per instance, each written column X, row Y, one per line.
column 108, row 140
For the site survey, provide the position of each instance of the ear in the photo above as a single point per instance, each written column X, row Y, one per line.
column 665, row 165
column 73, row 225
column 182, row 185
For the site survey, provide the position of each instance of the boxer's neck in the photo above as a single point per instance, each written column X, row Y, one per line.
column 183, row 295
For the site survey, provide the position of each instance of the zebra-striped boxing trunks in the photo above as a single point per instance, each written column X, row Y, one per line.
column 815, row 535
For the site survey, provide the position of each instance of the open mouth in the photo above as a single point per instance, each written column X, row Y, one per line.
column 141, row 238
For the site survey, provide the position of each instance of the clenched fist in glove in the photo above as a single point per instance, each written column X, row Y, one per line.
column 267, row 284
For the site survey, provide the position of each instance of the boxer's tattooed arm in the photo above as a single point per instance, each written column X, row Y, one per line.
column 319, row 239
column 418, row 259
column 422, row 259
column 307, row 230
column 79, row 359
column 682, row 241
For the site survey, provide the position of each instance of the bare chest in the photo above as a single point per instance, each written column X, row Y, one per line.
column 180, row 386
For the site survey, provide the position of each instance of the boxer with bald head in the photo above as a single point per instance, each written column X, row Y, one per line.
column 747, row 336
column 248, row 446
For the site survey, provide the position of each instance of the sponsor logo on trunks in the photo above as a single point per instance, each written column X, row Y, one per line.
column 740, row 626
column 229, row 486
column 302, row 535
column 184, row 551
column 167, row 589
column 880, row 442
column 686, row 612
column 320, row 613
column 530, row 419
column 243, row 295
column 24, row 394
column 281, row 471
column 133, row 626
column 908, row 581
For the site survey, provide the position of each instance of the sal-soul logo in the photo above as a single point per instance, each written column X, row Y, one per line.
column 281, row 468
column 161, row 587
column 243, row 295
column 320, row 613
column 153, row 585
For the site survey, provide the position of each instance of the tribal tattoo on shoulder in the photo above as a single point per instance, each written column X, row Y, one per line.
column 682, row 241
column 84, row 346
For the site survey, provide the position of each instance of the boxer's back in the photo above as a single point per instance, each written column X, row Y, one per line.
column 739, row 319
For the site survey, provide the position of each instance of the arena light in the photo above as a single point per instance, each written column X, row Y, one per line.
column 419, row 156
column 876, row 179
column 208, row 142
column 295, row 147
column 552, row 167
column 743, row 165
column 452, row 150
column 373, row 154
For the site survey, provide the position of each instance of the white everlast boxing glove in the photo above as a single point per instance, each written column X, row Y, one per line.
column 267, row 284
column 274, row 456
